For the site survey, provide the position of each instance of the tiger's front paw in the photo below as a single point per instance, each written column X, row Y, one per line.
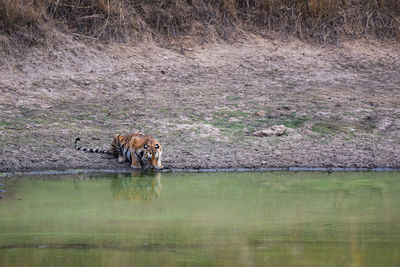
column 136, row 166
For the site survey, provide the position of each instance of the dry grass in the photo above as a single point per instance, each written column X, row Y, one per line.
column 17, row 14
column 325, row 20
column 321, row 20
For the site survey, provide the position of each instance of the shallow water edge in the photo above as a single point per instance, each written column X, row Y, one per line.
column 191, row 170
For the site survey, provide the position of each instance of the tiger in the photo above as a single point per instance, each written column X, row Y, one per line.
column 142, row 151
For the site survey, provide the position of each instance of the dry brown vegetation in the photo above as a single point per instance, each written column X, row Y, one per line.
column 321, row 20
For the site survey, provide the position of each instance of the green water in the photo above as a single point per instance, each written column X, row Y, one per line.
column 209, row 219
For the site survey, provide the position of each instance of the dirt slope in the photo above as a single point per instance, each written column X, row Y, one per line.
column 342, row 104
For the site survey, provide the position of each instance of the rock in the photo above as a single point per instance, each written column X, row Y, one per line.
column 266, row 132
column 272, row 115
column 260, row 114
column 276, row 130
column 307, row 132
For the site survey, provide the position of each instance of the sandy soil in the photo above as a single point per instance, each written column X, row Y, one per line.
column 342, row 104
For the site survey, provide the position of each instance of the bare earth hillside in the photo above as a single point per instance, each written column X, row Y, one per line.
column 341, row 104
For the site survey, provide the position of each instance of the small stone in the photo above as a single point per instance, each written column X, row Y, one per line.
column 307, row 132
column 266, row 132
column 260, row 113
column 275, row 130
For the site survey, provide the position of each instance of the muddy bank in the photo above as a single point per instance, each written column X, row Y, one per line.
column 340, row 104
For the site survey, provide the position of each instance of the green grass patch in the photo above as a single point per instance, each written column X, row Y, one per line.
column 240, row 121
column 229, row 120
column 294, row 120
column 11, row 125
column 233, row 98
column 227, row 125
column 196, row 117
column 37, row 84
column 83, row 117
column 325, row 128
column 230, row 114
column 5, row 124
column 330, row 126
column 367, row 124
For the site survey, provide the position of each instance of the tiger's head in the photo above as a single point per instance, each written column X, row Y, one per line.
column 150, row 152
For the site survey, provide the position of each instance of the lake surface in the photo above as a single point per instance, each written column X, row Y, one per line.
column 208, row 219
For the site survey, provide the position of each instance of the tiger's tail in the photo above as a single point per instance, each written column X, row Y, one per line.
column 91, row 150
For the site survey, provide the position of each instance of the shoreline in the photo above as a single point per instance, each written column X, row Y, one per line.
column 188, row 170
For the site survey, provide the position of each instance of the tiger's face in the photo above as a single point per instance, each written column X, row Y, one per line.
column 150, row 152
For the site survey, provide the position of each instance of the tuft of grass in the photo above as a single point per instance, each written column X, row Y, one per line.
column 368, row 123
column 330, row 126
column 294, row 120
column 17, row 14
column 325, row 128
column 233, row 98
column 5, row 124
column 11, row 124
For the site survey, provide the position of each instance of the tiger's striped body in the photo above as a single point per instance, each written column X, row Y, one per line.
column 141, row 150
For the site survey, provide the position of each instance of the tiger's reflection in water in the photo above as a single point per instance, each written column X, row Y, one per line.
column 139, row 186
